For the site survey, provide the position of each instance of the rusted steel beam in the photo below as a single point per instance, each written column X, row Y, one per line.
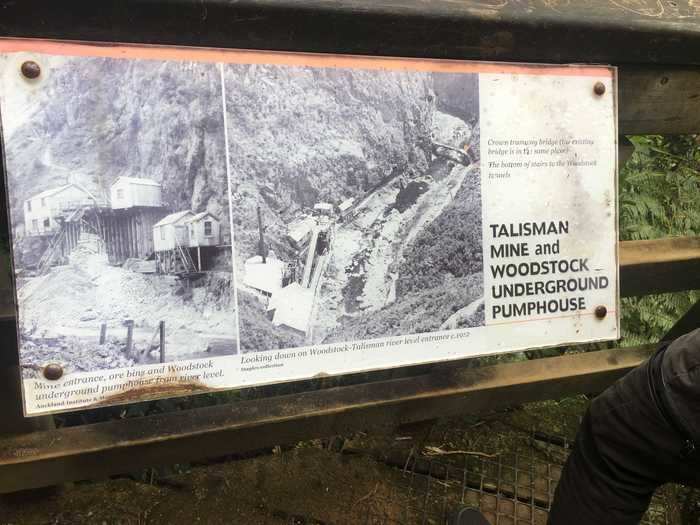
column 94, row 451
column 659, row 266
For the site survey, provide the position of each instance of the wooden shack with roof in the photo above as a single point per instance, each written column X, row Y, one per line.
column 131, row 192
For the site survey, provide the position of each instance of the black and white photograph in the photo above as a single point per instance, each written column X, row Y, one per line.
column 356, row 200
column 118, row 194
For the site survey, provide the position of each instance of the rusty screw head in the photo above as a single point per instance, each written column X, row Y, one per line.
column 53, row 371
column 599, row 88
column 601, row 312
column 30, row 70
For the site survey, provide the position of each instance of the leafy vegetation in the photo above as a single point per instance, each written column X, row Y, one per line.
column 659, row 197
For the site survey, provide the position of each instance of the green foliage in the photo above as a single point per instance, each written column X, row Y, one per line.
column 660, row 188
column 659, row 197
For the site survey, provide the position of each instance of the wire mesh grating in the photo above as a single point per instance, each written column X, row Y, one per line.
column 509, row 489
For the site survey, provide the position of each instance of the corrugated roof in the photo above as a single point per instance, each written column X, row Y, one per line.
column 293, row 305
column 198, row 216
column 347, row 203
column 172, row 218
column 300, row 229
column 265, row 276
column 50, row 192
column 137, row 180
column 54, row 191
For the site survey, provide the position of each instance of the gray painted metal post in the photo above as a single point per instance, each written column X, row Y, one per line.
column 103, row 333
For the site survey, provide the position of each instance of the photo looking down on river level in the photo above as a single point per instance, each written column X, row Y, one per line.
column 356, row 202
column 117, row 185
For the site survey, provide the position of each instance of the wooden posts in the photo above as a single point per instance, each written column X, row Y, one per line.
column 261, row 241
column 103, row 333
column 129, row 323
column 161, row 333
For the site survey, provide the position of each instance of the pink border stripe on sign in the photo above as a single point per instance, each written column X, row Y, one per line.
column 239, row 56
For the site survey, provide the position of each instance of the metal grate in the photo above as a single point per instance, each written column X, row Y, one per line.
column 509, row 489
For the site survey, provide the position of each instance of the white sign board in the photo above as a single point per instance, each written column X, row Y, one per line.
column 187, row 220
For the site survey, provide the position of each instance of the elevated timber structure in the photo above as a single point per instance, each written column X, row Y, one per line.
column 125, row 233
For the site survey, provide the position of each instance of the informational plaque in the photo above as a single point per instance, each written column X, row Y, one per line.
column 190, row 220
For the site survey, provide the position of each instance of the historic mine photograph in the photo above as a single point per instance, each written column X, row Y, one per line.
column 356, row 201
column 121, row 236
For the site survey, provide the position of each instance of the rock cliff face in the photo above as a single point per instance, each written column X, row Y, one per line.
column 91, row 120
column 299, row 136
column 458, row 95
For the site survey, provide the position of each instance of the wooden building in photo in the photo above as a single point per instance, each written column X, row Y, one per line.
column 323, row 208
column 45, row 211
column 291, row 306
column 131, row 192
column 170, row 232
column 129, row 232
column 299, row 231
column 203, row 229
column 264, row 277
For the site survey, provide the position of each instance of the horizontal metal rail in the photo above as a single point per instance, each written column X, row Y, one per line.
column 91, row 451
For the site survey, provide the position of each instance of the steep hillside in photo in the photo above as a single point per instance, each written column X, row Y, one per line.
column 91, row 120
column 299, row 136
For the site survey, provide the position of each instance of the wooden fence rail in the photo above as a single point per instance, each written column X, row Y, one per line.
column 655, row 44
column 91, row 451
column 592, row 31
column 646, row 267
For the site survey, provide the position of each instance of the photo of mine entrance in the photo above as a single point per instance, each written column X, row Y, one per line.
column 357, row 203
column 121, row 228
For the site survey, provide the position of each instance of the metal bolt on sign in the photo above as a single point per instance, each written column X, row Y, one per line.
column 601, row 312
column 599, row 88
column 53, row 371
column 30, row 70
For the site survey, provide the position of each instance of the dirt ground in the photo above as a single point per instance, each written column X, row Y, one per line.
column 416, row 474
column 64, row 310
